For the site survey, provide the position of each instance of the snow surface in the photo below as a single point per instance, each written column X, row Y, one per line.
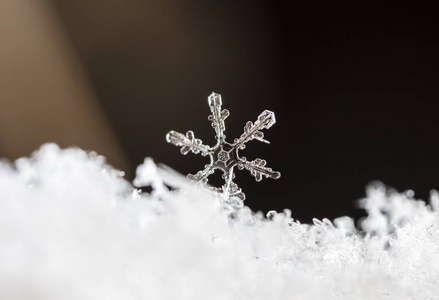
column 72, row 228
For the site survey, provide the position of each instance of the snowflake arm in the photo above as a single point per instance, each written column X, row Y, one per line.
column 232, row 190
column 253, row 131
column 218, row 116
column 187, row 142
column 201, row 176
column 258, row 169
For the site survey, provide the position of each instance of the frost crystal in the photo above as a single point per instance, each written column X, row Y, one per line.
column 225, row 156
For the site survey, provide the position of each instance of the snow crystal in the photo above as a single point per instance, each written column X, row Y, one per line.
column 73, row 228
column 225, row 156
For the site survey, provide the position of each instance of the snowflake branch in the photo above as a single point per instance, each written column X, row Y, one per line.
column 218, row 116
column 188, row 142
column 252, row 131
column 231, row 189
column 201, row 176
column 258, row 169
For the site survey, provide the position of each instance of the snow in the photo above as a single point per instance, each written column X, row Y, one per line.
column 71, row 227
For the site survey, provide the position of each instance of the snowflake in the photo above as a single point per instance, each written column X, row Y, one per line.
column 225, row 156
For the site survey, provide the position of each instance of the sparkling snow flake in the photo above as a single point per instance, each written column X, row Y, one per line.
column 225, row 156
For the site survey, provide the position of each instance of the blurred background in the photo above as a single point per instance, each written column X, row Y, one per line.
column 353, row 86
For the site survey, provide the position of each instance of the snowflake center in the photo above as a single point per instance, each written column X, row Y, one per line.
column 223, row 156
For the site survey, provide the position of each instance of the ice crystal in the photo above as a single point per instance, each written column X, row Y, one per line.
column 224, row 156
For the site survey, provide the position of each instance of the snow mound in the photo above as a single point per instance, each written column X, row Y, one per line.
column 72, row 228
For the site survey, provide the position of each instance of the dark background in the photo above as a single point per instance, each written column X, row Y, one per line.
column 353, row 86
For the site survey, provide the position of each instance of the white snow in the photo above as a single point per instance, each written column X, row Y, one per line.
column 72, row 228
